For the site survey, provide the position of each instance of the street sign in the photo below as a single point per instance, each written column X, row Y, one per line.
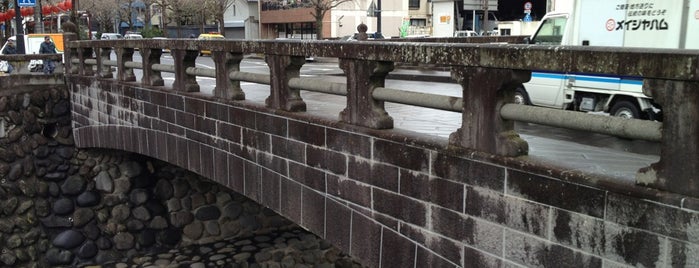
column 528, row 6
column 26, row 3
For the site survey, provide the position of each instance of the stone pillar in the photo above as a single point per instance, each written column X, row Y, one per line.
column 485, row 90
column 281, row 70
column 103, row 70
column 125, row 54
column 362, row 78
column 679, row 151
column 184, row 59
column 150, row 57
column 70, row 53
column 226, row 63
column 85, row 53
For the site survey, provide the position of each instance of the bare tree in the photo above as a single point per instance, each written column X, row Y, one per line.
column 320, row 7
column 218, row 10
column 102, row 11
column 183, row 11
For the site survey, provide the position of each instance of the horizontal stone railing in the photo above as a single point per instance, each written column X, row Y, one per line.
column 21, row 62
column 488, row 74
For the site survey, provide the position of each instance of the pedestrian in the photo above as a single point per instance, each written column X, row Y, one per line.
column 9, row 49
column 47, row 47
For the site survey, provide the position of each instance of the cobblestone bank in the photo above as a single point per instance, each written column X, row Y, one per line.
column 61, row 207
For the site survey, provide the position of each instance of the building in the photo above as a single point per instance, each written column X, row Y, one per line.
column 242, row 20
column 294, row 18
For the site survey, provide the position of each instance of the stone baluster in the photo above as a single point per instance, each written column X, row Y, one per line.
column 70, row 53
column 184, row 59
column 484, row 92
column 85, row 53
column 362, row 78
column 679, row 151
column 281, row 70
column 103, row 70
column 226, row 63
column 150, row 57
column 125, row 54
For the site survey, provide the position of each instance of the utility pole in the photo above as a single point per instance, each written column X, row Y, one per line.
column 378, row 16
column 19, row 30
column 484, row 24
column 375, row 11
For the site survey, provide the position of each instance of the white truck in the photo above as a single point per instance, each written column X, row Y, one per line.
column 619, row 23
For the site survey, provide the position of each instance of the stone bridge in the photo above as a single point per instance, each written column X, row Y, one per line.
column 392, row 197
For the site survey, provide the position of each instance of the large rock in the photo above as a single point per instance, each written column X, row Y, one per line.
column 63, row 206
column 103, row 182
column 181, row 218
column 68, row 239
column 123, row 241
column 73, row 185
column 139, row 196
column 82, row 216
column 88, row 199
column 120, row 213
column 158, row 223
column 8, row 259
column 134, row 226
column 15, row 172
column 53, row 221
column 56, row 256
column 233, row 210
column 164, row 189
column 181, row 187
column 24, row 206
column 194, row 230
column 14, row 241
column 61, row 108
column 7, row 155
column 87, row 250
column 9, row 206
column 141, row 213
column 15, row 134
column 207, row 213
column 130, row 168
column 92, row 231
column 65, row 152
column 103, row 243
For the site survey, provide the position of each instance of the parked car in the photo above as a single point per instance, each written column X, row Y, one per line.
column 110, row 36
column 133, row 36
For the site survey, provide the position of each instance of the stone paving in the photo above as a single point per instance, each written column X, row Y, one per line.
column 291, row 248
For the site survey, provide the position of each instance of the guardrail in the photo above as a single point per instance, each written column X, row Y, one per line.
column 488, row 74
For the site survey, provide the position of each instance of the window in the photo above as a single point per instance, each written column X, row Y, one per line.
column 551, row 31
column 413, row 4
column 418, row 22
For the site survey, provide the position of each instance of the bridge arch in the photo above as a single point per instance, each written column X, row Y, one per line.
column 389, row 198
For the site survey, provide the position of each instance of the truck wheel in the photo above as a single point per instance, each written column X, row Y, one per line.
column 521, row 96
column 625, row 109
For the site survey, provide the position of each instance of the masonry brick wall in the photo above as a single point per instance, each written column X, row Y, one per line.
column 392, row 200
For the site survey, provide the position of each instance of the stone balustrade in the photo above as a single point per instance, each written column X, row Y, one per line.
column 488, row 73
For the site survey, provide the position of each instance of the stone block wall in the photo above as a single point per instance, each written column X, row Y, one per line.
column 391, row 199
column 67, row 207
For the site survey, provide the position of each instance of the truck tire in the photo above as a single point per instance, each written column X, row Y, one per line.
column 521, row 96
column 625, row 109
